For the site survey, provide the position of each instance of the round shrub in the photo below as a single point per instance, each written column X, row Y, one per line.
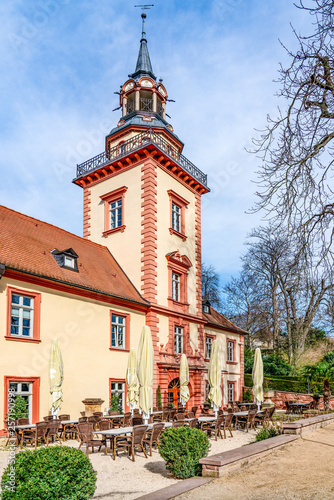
column 57, row 472
column 182, row 448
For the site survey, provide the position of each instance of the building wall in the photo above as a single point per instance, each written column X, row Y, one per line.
column 82, row 327
column 124, row 246
column 167, row 242
column 231, row 372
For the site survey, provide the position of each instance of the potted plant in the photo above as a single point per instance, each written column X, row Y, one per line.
column 207, row 405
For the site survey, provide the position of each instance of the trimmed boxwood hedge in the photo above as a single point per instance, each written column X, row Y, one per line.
column 288, row 384
column 53, row 473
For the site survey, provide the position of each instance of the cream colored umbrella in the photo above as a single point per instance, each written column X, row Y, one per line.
column 145, row 372
column 257, row 375
column 184, row 380
column 56, row 377
column 215, row 375
column 132, row 380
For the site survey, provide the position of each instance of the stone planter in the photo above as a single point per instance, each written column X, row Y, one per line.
column 267, row 402
column 92, row 405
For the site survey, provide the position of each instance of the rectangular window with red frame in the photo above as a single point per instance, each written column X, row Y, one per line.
column 23, row 315
column 120, row 331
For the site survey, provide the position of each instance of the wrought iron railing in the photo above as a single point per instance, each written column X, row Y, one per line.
column 136, row 142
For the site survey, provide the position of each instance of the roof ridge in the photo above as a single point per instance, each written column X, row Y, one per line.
column 52, row 225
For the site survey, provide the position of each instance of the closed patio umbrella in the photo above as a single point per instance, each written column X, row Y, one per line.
column 132, row 380
column 184, row 380
column 56, row 376
column 257, row 375
column 215, row 375
column 145, row 372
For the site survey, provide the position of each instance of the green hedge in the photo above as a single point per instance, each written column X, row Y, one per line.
column 288, row 384
column 52, row 473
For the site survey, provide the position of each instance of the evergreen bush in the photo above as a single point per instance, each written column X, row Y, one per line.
column 159, row 400
column 57, row 473
column 182, row 448
column 266, row 433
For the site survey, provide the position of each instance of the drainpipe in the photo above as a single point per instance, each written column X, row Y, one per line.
column 2, row 270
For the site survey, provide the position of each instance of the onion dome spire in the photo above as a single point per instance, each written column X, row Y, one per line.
column 144, row 66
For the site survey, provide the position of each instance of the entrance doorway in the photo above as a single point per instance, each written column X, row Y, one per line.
column 174, row 392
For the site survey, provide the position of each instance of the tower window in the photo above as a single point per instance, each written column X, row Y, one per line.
column 114, row 211
column 178, row 340
column 176, row 217
column 115, row 208
column 176, row 287
column 177, row 214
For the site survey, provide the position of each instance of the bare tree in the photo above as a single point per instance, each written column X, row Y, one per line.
column 211, row 290
column 246, row 306
column 297, row 284
column 297, row 146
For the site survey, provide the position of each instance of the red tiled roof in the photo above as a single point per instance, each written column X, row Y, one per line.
column 26, row 244
column 217, row 319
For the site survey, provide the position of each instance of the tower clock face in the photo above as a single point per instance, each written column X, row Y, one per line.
column 146, row 83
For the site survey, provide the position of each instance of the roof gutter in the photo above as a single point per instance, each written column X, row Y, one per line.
column 80, row 287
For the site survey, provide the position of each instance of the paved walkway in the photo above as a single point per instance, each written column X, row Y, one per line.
column 302, row 470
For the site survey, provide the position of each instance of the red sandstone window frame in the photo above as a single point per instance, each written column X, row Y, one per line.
column 36, row 316
column 233, row 361
column 179, row 266
column 176, row 199
column 213, row 337
column 127, row 318
column 233, row 383
column 35, row 394
column 117, row 194
column 119, row 381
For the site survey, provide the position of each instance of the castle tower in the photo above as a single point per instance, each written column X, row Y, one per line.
column 142, row 199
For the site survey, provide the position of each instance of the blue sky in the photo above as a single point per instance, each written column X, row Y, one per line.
column 62, row 60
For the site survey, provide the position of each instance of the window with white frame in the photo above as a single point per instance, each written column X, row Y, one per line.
column 117, row 331
column 178, row 340
column 21, row 317
column 176, row 287
column 230, row 392
column 23, row 389
column 118, row 389
column 208, row 347
column 115, row 210
column 230, row 349
column 176, row 217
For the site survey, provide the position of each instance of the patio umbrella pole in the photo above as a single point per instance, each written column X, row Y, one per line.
column 215, row 409
column 146, row 417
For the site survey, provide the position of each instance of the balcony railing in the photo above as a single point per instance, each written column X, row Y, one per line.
column 135, row 143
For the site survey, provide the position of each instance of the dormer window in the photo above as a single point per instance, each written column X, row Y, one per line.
column 206, row 307
column 66, row 258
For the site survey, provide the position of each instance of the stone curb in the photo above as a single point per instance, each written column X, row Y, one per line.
column 176, row 489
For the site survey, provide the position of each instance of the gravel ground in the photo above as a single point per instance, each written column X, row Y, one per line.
column 302, row 470
column 123, row 479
